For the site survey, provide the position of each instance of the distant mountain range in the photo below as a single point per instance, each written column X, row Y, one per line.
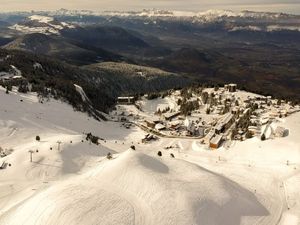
column 269, row 21
column 208, row 15
column 258, row 50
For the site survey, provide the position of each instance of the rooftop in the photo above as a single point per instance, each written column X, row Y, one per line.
column 123, row 98
column 216, row 139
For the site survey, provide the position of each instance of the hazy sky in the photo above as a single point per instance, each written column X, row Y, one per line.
column 290, row 6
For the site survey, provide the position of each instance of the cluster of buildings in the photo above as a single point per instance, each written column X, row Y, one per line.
column 231, row 115
column 179, row 126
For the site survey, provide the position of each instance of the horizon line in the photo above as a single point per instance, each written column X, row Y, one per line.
column 146, row 9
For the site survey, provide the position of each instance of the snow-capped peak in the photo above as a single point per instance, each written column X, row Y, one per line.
column 217, row 13
column 41, row 24
column 213, row 13
column 41, row 19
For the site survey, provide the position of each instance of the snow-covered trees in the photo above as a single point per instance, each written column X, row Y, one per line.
column 188, row 106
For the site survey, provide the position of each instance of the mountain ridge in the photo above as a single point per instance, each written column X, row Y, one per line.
column 62, row 49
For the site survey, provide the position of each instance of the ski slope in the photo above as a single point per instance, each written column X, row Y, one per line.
column 70, row 181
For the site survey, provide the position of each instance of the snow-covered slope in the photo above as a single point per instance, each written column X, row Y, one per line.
column 105, row 191
column 70, row 181
column 136, row 188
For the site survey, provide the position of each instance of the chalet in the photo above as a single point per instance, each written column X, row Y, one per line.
column 210, row 135
column 232, row 87
column 151, row 122
column 273, row 114
column 254, row 119
column 219, row 128
column 215, row 142
column 283, row 112
column 160, row 126
column 253, row 130
column 224, row 123
column 170, row 115
column 174, row 124
column 126, row 100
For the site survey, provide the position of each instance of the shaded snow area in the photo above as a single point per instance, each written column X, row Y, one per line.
column 71, row 181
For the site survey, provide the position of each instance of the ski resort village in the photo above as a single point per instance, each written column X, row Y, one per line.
column 196, row 155
column 214, row 117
